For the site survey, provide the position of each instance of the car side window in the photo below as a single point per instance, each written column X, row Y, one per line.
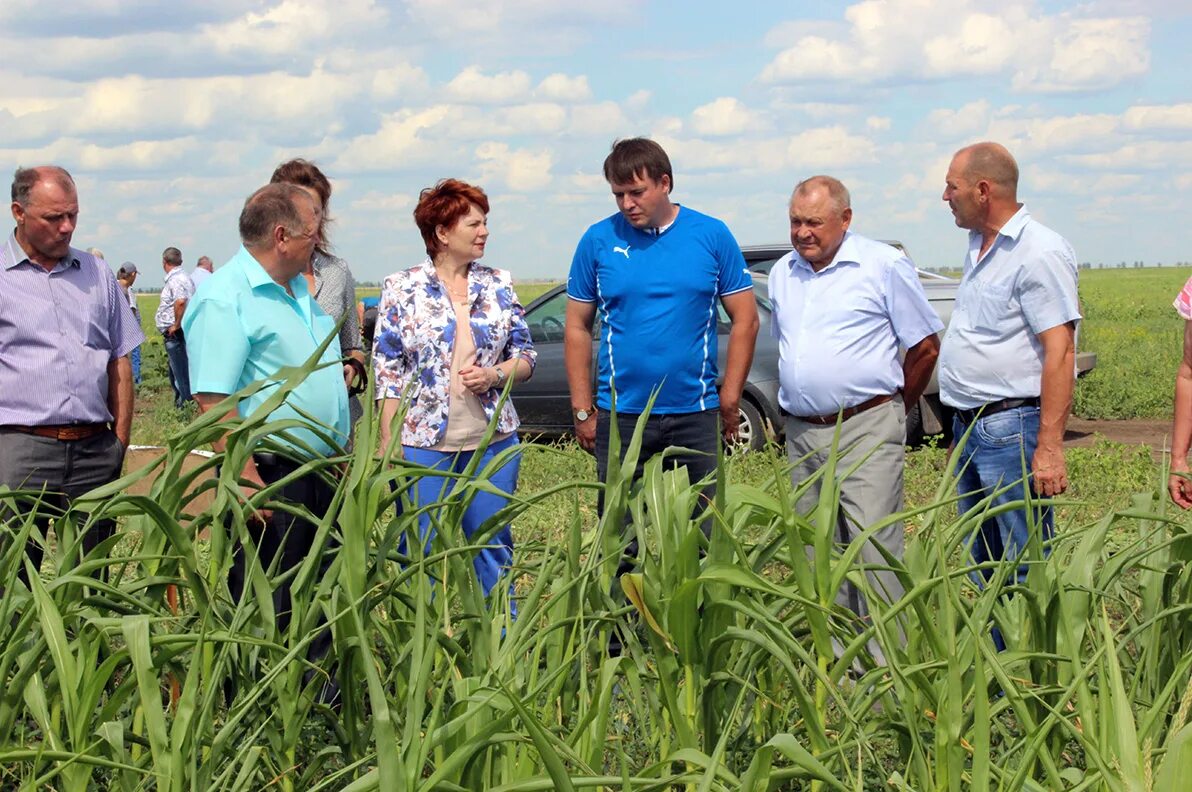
column 547, row 319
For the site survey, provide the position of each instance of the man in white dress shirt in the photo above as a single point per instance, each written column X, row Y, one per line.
column 843, row 308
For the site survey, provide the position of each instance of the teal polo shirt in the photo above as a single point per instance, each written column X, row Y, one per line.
column 243, row 328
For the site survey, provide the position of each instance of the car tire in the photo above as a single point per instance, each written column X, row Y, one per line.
column 914, row 427
column 751, row 434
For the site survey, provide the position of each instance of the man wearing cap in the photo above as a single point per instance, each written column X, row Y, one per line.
column 844, row 306
column 175, row 294
column 126, row 276
column 65, row 334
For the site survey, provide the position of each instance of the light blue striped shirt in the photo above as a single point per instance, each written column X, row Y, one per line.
column 1025, row 284
column 839, row 330
column 58, row 332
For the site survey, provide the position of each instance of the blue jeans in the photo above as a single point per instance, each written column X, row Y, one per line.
column 134, row 357
column 179, row 373
column 993, row 457
column 493, row 561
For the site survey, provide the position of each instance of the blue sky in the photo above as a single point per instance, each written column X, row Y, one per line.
column 169, row 115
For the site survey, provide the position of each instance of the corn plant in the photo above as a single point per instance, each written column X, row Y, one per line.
column 738, row 669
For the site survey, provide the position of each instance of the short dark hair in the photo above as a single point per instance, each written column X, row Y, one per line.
column 636, row 157
column 172, row 256
column 266, row 209
column 25, row 179
column 444, row 205
column 305, row 173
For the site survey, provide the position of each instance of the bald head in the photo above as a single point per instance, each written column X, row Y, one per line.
column 990, row 162
column 836, row 191
column 25, row 179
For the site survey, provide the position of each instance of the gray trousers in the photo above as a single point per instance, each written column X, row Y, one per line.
column 63, row 470
column 871, row 493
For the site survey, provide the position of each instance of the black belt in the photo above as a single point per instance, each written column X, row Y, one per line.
column 985, row 410
column 848, row 412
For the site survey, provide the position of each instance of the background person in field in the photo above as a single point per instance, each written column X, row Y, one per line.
column 202, row 271
column 65, row 334
column 1007, row 364
column 175, row 294
column 126, row 276
column 253, row 318
column 329, row 280
column 843, row 307
column 453, row 330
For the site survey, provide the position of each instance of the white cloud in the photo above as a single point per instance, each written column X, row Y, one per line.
column 725, row 116
column 884, row 41
column 291, row 24
column 963, row 122
column 378, row 201
column 828, row 148
column 473, row 86
column 520, row 170
column 398, row 144
column 563, row 88
column 1158, row 117
column 878, row 123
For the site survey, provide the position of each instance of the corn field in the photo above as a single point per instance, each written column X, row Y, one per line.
column 738, row 671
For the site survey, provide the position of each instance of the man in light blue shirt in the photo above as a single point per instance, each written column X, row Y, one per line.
column 1008, row 360
column 250, row 320
column 843, row 307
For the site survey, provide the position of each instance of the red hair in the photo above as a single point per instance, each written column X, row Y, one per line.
column 445, row 204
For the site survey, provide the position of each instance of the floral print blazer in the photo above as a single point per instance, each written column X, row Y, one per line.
column 415, row 338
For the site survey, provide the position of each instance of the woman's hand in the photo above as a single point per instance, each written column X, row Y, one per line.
column 478, row 379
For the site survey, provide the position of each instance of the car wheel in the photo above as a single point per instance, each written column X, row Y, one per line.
column 914, row 427
column 751, row 433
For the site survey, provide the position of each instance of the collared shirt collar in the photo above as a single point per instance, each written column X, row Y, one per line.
column 1012, row 228
column 257, row 276
column 14, row 255
column 845, row 254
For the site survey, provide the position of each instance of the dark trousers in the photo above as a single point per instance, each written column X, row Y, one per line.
column 696, row 432
column 62, row 470
column 178, row 366
column 283, row 537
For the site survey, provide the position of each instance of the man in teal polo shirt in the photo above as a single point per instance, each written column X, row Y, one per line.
column 253, row 318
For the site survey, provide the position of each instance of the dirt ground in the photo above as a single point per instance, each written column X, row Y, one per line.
column 1153, row 433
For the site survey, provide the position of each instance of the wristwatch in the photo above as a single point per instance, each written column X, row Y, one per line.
column 501, row 375
column 582, row 414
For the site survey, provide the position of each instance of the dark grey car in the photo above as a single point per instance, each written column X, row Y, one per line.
column 544, row 403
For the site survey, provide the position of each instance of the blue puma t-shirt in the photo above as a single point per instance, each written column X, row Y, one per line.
column 656, row 297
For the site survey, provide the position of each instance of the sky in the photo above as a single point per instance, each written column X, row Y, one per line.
column 170, row 114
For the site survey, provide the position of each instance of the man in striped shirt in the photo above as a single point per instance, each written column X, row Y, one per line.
column 65, row 379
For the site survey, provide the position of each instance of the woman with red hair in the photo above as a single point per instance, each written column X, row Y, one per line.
column 450, row 335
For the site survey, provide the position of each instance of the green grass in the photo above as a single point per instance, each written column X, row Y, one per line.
column 1138, row 337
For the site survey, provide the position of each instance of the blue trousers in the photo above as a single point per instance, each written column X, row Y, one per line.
column 179, row 371
column 134, row 357
column 991, row 459
column 493, row 562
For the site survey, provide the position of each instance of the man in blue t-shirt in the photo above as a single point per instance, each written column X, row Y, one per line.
column 654, row 273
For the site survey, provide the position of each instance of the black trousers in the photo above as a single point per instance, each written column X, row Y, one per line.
column 62, row 470
column 699, row 432
column 283, row 537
